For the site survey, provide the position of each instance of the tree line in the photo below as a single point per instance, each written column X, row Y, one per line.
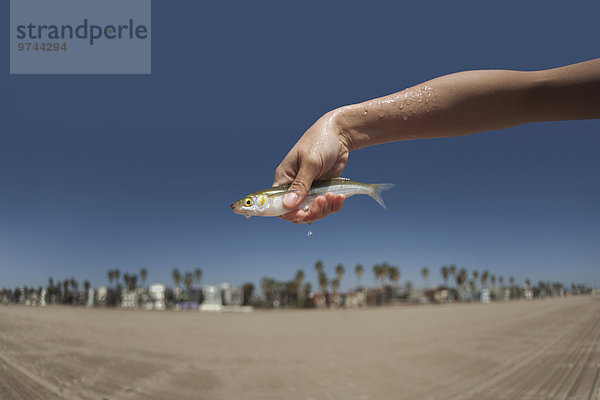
column 297, row 292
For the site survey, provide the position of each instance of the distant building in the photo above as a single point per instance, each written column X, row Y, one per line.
column 231, row 295
column 101, row 296
column 357, row 299
column 90, row 297
column 485, row 296
column 129, row 298
column 192, row 298
column 157, row 294
column 212, row 300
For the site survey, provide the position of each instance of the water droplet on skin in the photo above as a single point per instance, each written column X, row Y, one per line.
column 381, row 114
column 400, row 106
column 365, row 112
column 426, row 101
column 405, row 117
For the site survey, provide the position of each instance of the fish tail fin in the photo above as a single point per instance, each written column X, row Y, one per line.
column 376, row 194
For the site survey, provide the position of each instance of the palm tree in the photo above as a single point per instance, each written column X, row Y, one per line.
column 111, row 276
column 380, row 271
column 290, row 292
column 299, row 278
column 358, row 270
column 75, row 286
column 197, row 276
column 319, row 267
column 377, row 271
column 86, row 286
column 394, row 275
column 65, row 290
column 176, row 275
column 511, row 280
column 475, row 276
column 452, row 270
column 472, row 285
column 133, row 282
column 425, row 274
column 501, row 281
column 444, row 272
column 339, row 272
column 335, row 285
column 143, row 276
column 323, row 283
column 307, row 289
column 461, row 278
column 484, row 277
column 493, row 280
column 247, row 290
column 188, row 280
column 117, row 275
column 528, row 283
column 384, row 270
column 266, row 285
column 126, row 279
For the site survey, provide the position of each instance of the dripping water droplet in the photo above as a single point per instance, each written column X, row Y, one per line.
column 248, row 216
column 309, row 233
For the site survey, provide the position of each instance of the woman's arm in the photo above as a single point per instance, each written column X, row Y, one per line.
column 451, row 105
column 474, row 101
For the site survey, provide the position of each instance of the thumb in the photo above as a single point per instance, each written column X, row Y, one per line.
column 299, row 187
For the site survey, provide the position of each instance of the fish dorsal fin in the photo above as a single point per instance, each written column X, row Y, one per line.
column 344, row 179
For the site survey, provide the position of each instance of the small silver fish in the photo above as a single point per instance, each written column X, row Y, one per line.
column 269, row 202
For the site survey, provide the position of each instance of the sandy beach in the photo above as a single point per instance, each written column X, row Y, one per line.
column 520, row 350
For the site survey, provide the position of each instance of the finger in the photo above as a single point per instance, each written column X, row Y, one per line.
column 317, row 210
column 283, row 174
column 338, row 202
column 322, row 208
column 301, row 185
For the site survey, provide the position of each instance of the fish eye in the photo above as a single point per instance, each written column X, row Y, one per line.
column 247, row 201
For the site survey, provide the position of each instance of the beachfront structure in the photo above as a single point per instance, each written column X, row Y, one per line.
column 231, row 295
column 212, row 300
column 192, row 298
column 357, row 299
column 157, row 296
column 90, row 297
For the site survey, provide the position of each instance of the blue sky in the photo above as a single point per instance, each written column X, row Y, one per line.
column 101, row 172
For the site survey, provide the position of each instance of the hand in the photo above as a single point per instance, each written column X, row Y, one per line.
column 322, row 152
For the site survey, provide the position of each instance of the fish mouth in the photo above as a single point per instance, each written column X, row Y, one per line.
column 233, row 206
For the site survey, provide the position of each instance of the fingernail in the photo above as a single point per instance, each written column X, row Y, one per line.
column 290, row 199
